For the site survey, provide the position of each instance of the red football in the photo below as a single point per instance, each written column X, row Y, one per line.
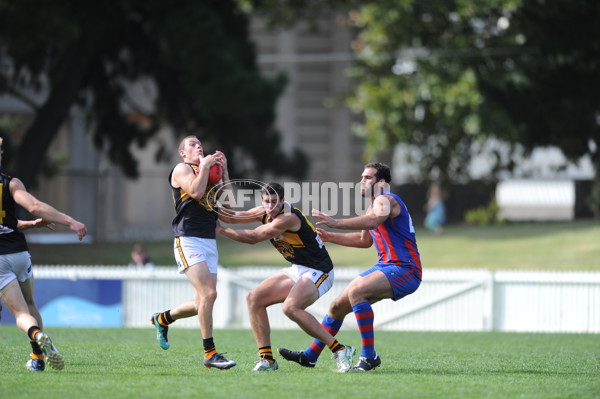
column 215, row 174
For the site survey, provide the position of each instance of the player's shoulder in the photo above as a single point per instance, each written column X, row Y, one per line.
column 292, row 212
column 184, row 166
column 388, row 196
column 184, row 169
column 391, row 202
column 290, row 215
column 287, row 216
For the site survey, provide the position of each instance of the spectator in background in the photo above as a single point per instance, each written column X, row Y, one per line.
column 140, row 258
column 436, row 212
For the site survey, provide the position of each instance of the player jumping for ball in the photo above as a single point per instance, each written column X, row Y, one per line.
column 195, row 246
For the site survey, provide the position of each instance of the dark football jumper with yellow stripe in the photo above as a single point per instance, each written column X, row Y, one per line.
column 13, row 241
column 194, row 218
column 302, row 247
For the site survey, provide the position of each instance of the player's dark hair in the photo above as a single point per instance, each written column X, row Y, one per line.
column 273, row 188
column 383, row 171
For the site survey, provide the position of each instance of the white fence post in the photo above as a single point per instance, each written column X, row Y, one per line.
column 489, row 313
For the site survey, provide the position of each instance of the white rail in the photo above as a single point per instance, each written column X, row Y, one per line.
column 448, row 300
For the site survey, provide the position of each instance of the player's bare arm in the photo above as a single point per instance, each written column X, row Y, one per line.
column 236, row 217
column 36, row 223
column 360, row 239
column 42, row 210
column 384, row 206
column 190, row 182
column 264, row 232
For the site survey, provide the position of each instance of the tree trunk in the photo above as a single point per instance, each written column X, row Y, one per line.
column 52, row 114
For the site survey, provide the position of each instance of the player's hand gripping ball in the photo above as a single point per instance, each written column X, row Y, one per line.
column 215, row 174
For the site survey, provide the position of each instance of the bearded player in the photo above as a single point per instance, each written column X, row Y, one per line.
column 396, row 274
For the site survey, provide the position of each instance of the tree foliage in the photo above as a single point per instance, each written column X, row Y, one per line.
column 197, row 54
column 446, row 76
column 551, row 95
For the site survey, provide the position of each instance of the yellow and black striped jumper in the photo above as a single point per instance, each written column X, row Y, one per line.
column 302, row 247
column 194, row 218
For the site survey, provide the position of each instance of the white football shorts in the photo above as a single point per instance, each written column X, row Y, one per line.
column 15, row 266
column 191, row 250
column 322, row 280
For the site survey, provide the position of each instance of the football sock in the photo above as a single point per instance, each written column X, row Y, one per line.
column 335, row 346
column 266, row 353
column 316, row 347
column 209, row 348
column 32, row 331
column 164, row 318
column 36, row 351
column 364, row 317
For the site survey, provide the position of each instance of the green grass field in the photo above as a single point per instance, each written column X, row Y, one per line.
column 127, row 363
column 527, row 246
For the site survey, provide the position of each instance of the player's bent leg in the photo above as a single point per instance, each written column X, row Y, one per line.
column 272, row 290
column 205, row 285
column 27, row 291
column 338, row 309
column 12, row 297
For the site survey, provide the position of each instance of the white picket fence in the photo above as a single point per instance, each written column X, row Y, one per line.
column 448, row 300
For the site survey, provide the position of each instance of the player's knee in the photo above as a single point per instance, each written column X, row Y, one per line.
column 356, row 294
column 339, row 308
column 253, row 299
column 290, row 310
column 209, row 296
column 334, row 309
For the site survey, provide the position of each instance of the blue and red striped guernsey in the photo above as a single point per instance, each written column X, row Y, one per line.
column 395, row 239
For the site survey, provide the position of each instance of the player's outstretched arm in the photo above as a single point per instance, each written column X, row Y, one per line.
column 383, row 208
column 42, row 210
column 263, row 232
column 235, row 217
column 37, row 223
column 360, row 239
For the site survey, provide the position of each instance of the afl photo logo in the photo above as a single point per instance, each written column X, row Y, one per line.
column 237, row 194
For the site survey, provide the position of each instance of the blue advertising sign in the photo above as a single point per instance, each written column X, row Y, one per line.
column 80, row 303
